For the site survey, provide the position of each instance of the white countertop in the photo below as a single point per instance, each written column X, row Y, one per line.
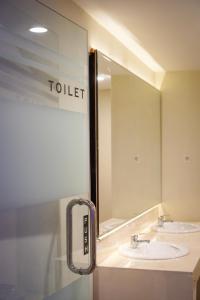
column 188, row 263
column 109, row 256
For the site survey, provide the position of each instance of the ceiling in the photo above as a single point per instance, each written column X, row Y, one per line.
column 169, row 30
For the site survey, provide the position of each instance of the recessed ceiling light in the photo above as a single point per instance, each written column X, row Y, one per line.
column 102, row 77
column 38, row 29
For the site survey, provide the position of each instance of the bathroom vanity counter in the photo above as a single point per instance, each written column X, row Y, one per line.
column 172, row 279
column 189, row 263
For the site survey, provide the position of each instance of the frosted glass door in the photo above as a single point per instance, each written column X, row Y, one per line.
column 44, row 152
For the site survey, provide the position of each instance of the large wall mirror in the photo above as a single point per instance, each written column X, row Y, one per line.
column 125, row 143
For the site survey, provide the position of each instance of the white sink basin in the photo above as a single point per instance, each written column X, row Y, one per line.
column 154, row 250
column 177, row 227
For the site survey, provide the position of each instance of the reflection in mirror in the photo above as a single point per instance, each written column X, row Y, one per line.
column 128, row 168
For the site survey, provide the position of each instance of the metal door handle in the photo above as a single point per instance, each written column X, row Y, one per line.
column 92, row 248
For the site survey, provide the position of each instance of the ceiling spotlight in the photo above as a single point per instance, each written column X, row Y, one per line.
column 100, row 77
column 38, row 29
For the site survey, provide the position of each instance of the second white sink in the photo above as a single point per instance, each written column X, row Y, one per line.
column 177, row 227
column 154, row 250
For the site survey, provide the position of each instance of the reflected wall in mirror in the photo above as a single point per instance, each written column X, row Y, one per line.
column 127, row 137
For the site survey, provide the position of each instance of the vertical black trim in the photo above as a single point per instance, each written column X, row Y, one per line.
column 94, row 156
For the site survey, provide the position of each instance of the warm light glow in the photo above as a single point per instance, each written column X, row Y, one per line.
column 38, row 29
column 127, row 39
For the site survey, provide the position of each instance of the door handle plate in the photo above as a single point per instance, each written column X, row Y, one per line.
column 92, row 231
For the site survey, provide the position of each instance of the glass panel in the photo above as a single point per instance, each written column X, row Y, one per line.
column 44, row 152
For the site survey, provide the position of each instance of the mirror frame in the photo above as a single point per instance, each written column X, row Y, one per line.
column 93, row 114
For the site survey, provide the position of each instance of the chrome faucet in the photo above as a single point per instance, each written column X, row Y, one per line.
column 135, row 241
column 162, row 219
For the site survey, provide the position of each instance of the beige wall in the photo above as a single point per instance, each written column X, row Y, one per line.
column 135, row 146
column 181, row 144
column 105, row 196
column 102, row 40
